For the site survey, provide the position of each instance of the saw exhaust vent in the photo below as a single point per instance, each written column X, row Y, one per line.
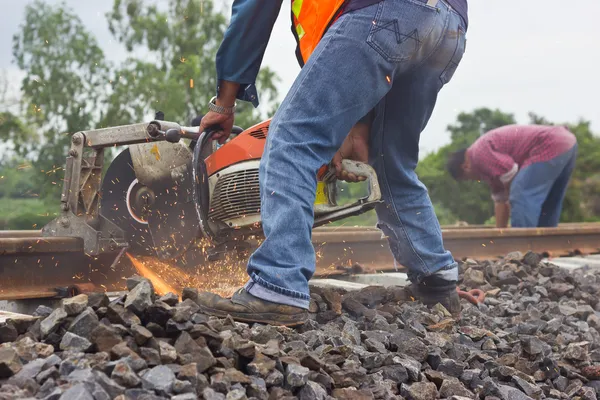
column 259, row 133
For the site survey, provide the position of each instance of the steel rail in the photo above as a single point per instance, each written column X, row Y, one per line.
column 336, row 247
column 369, row 248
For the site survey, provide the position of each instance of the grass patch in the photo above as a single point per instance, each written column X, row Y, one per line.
column 25, row 213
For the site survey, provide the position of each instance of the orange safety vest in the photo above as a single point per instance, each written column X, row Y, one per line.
column 310, row 21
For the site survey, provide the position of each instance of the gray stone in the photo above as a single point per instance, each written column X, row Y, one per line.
column 452, row 387
column 168, row 354
column 84, row 324
column 419, row 391
column 170, row 298
column 151, row 356
column 42, row 311
column 412, row 347
column 141, row 334
column 28, row 371
column 97, row 300
column 10, row 362
column 351, row 332
column 263, row 333
column 74, row 343
column 52, row 321
column 124, row 375
column 8, row 333
column 183, row 387
column 134, row 280
column 78, row 392
column 49, row 373
column 110, row 386
column 296, row 375
column 275, row 378
column 75, row 305
column 511, row 393
column 532, row 345
column 451, row 367
column 202, row 356
column 185, row 396
column 118, row 314
column 160, row 379
column 413, row 368
column 529, row 389
column 139, row 298
column 105, row 338
column 210, row 394
column 236, row 394
column 577, row 351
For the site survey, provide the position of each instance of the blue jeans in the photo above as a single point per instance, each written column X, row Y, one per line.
column 391, row 58
column 538, row 190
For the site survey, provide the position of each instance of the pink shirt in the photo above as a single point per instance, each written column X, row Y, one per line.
column 499, row 154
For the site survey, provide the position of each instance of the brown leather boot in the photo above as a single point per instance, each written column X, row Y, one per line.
column 244, row 307
column 433, row 290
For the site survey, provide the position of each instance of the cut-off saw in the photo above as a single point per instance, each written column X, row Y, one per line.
column 176, row 194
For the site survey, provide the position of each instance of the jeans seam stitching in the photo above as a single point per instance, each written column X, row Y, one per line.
column 395, row 211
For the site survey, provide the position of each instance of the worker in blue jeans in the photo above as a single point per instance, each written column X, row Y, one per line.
column 376, row 73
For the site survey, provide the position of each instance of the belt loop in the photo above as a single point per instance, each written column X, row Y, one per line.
column 432, row 3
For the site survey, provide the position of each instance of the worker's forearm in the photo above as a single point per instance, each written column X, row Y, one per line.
column 502, row 211
column 240, row 55
column 227, row 93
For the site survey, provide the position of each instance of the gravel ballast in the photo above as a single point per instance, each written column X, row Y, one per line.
column 535, row 337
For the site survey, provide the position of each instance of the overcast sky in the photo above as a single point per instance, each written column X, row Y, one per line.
column 522, row 55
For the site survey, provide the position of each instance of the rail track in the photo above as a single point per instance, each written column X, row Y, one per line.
column 338, row 249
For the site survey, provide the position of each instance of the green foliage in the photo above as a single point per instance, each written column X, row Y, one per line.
column 15, row 132
column 65, row 82
column 25, row 214
column 582, row 201
column 17, row 180
column 179, row 76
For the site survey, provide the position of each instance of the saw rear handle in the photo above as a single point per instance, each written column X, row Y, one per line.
column 330, row 212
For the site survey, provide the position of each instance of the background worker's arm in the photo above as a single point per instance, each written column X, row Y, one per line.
column 502, row 211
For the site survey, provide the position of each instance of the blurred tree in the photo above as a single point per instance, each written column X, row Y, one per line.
column 15, row 135
column 582, row 201
column 64, row 86
column 69, row 85
column 177, row 73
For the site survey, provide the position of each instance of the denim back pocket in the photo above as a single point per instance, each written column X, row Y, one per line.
column 459, row 51
column 400, row 27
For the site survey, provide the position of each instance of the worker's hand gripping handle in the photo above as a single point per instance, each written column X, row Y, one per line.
column 331, row 211
column 362, row 169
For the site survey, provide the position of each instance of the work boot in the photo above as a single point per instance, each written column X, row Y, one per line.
column 245, row 307
column 433, row 290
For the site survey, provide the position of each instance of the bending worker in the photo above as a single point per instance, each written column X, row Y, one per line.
column 527, row 168
column 389, row 56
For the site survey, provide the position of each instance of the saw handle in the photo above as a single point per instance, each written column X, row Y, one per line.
column 174, row 135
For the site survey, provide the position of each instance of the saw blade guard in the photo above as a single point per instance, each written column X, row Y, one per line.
column 326, row 207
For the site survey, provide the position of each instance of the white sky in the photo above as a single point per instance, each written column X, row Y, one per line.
column 522, row 55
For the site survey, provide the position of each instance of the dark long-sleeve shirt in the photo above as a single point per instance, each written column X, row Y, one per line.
column 243, row 48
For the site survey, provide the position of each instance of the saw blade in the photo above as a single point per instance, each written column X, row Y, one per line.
column 121, row 195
